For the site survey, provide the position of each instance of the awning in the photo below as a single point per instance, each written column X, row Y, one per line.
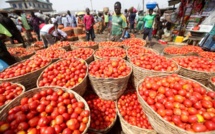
column 173, row 2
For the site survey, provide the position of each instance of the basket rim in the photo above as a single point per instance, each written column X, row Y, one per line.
column 127, row 63
column 9, row 79
column 96, row 51
column 85, row 77
column 23, row 91
column 120, row 116
column 178, row 69
column 79, row 58
column 152, row 50
column 152, row 111
column 57, row 88
column 190, row 69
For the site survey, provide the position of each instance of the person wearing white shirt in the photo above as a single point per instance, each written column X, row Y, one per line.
column 71, row 19
column 65, row 21
column 50, row 34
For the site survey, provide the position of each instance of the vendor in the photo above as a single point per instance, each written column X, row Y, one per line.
column 51, row 34
column 209, row 44
column 119, row 24
column 4, row 54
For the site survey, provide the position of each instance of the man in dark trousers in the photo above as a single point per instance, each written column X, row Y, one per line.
column 11, row 27
column 88, row 23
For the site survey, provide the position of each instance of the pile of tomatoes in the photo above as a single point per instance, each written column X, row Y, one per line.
column 60, row 44
column 24, row 67
column 111, row 52
column 154, row 62
column 82, row 53
column 208, row 55
column 85, row 44
column 182, row 102
column 102, row 112
column 110, row 44
column 20, row 51
column 109, row 68
column 131, row 110
column 132, row 42
column 51, row 53
column 196, row 63
column 65, row 73
column 138, row 51
column 182, row 50
column 9, row 91
column 47, row 112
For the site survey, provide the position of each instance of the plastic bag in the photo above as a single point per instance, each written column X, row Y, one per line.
column 4, row 31
column 3, row 65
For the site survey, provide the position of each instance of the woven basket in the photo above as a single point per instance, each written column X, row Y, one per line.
column 14, row 45
column 79, row 88
column 77, row 31
column 110, row 88
column 140, row 73
column 104, row 131
column 130, row 129
column 82, row 38
column 30, row 93
column 67, row 48
column 23, row 90
column 154, row 51
column 199, row 76
column 160, row 125
column 24, row 57
column 93, row 47
column 28, row 80
column 211, row 85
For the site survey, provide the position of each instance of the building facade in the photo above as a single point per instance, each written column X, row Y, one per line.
column 43, row 5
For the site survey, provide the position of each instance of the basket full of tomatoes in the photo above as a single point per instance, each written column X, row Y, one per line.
column 20, row 53
column 103, row 113
column 109, row 77
column 111, row 52
column 46, row 110
column 8, row 92
column 133, row 120
column 81, row 53
column 151, row 64
column 197, row 68
column 68, row 73
column 87, row 44
column 25, row 72
column 61, row 44
column 176, row 104
column 133, row 42
column 110, row 44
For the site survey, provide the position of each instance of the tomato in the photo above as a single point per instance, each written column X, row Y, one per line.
column 210, row 125
column 59, row 119
column 72, row 124
column 67, row 131
column 199, row 127
column 33, row 122
column 23, row 126
column 49, row 130
column 4, row 127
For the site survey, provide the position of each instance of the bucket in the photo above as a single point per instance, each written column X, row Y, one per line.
column 179, row 39
column 151, row 4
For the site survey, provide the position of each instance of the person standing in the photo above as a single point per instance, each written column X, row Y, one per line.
column 119, row 24
column 11, row 27
column 35, row 22
column 106, row 18
column 88, row 23
column 139, row 22
column 4, row 54
column 59, row 19
column 24, row 23
column 65, row 21
column 71, row 19
column 148, row 23
column 132, row 16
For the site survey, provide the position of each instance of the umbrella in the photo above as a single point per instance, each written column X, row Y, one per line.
column 81, row 13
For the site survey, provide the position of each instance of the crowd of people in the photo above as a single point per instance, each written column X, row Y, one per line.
column 117, row 24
